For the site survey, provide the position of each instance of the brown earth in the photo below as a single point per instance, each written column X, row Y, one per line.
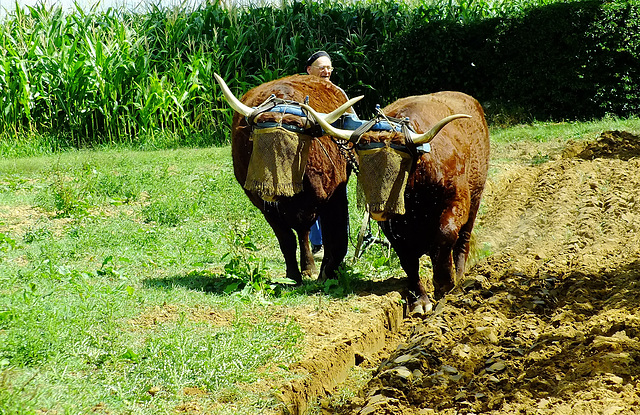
column 548, row 322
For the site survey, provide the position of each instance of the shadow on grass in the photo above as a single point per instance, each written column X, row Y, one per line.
column 216, row 283
column 205, row 281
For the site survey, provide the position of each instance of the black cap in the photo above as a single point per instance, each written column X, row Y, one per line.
column 315, row 56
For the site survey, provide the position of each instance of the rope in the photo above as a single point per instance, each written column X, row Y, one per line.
column 325, row 152
column 348, row 154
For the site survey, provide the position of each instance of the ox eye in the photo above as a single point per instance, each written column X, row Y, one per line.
column 370, row 146
column 400, row 147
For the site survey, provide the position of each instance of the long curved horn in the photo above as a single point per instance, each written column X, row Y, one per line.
column 335, row 114
column 331, row 130
column 231, row 99
column 429, row 135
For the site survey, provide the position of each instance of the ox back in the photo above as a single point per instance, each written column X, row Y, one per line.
column 443, row 190
column 324, row 184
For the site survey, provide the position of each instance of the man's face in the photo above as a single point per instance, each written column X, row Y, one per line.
column 321, row 67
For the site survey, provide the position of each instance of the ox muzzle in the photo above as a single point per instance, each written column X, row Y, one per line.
column 384, row 170
column 280, row 149
column 277, row 163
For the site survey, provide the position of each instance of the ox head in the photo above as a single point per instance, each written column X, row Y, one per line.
column 281, row 132
column 387, row 149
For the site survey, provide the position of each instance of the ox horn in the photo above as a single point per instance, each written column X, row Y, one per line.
column 330, row 129
column 335, row 114
column 245, row 110
column 429, row 135
column 416, row 138
column 231, row 99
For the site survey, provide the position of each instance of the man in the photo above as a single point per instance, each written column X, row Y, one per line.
column 319, row 64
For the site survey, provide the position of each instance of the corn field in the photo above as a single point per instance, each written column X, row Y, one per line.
column 121, row 76
column 110, row 76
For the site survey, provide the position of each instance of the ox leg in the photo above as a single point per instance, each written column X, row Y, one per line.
column 461, row 249
column 454, row 238
column 335, row 233
column 461, row 254
column 307, row 264
column 409, row 255
column 442, row 262
column 419, row 301
column 287, row 240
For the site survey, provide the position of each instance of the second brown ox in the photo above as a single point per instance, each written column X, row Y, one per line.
column 426, row 199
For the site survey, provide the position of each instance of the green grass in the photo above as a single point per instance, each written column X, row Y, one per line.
column 93, row 240
column 114, row 264
column 94, row 244
column 562, row 131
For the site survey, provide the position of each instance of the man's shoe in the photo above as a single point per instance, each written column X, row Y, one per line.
column 317, row 251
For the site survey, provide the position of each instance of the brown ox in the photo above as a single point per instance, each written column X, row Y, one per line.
column 438, row 191
column 312, row 178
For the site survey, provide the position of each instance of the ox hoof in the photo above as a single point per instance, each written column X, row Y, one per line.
column 323, row 278
column 421, row 307
column 325, row 275
column 297, row 278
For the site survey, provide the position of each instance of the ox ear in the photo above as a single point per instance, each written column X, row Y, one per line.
column 330, row 129
column 429, row 135
column 231, row 99
column 335, row 114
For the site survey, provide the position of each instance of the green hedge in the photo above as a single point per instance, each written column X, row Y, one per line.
column 119, row 76
column 562, row 61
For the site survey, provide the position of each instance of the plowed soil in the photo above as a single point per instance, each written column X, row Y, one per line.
column 548, row 320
